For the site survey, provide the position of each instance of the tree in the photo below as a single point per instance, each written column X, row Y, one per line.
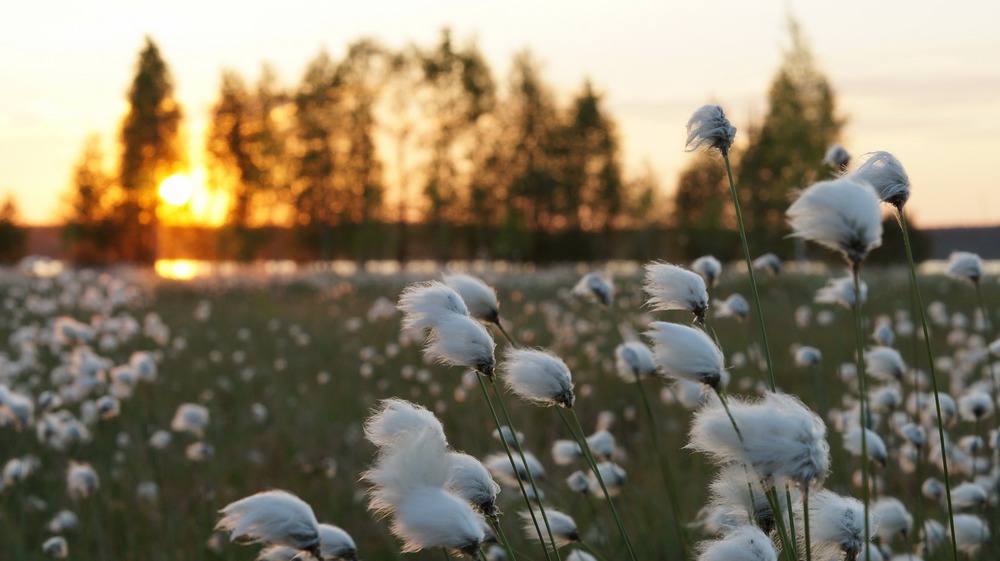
column 87, row 214
column 151, row 151
column 703, row 212
column 785, row 152
column 13, row 237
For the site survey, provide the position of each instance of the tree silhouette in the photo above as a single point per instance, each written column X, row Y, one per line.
column 89, row 232
column 151, row 150
column 13, row 237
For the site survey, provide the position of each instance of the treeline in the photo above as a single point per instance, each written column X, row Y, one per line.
column 379, row 141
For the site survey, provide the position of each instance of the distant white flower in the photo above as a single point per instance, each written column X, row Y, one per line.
column 885, row 364
column 914, row 434
column 709, row 126
column 841, row 214
column 970, row 532
column 709, row 268
column 601, row 444
column 578, row 482
column 499, row 466
column 459, row 340
column 15, row 409
column 873, row 442
column 808, row 356
column 512, row 438
column 932, row 535
column 613, row 476
column 837, row 524
column 538, row 376
column 69, row 332
column 673, row 288
column 737, row 499
column 686, row 352
column 965, row 265
column 579, row 555
column 968, row 495
column 634, row 360
column 841, row 291
column 565, row 452
column 782, row 440
column 884, row 172
column 892, row 517
column 735, row 306
column 975, row 405
column 63, row 521
column 479, row 297
column 335, row 543
column 425, row 304
column 768, row 262
column 563, row 528
column 199, row 451
column 883, row 334
column 274, row 518
column 837, row 157
column 469, row 479
column 398, row 418
column 597, row 287
column 746, row 543
column 190, row 418
column 56, row 546
column 160, row 439
column 81, row 480
column 933, row 489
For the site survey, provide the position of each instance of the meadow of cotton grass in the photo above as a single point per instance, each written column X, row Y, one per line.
column 133, row 410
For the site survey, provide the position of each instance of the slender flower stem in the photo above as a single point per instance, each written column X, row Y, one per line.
column 805, row 522
column 503, row 537
column 901, row 216
column 779, row 520
column 513, row 464
column 791, row 522
column 597, row 473
column 863, row 391
column 665, row 470
column 531, row 476
column 725, row 405
column 753, row 280
column 506, row 335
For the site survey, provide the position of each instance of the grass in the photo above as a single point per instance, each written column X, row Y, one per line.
column 307, row 351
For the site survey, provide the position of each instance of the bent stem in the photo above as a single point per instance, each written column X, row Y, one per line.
column 506, row 335
column 531, row 476
column 665, row 469
column 753, row 279
column 513, row 465
column 597, row 473
column 863, row 391
column 901, row 217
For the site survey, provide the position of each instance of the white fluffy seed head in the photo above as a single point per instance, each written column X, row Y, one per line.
column 884, row 172
column 709, row 268
column 634, row 360
column 975, row 405
column 470, row 480
column 597, row 287
column 478, row 296
column 56, row 547
column 841, row 291
column 735, row 306
column 892, row 518
column 538, row 376
column 841, row 214
column 782, row 440
column 768, row 262
column 425, row 304
column 965, row 265
column 837, row 157
column 499, row 466
column 708, row 126
column 563, row 527
column 968, row 495
column 837, row 524
column 271, row 517
column 404, row 465
column 429, row 517
column 674, row 288
column 873, row 442
column 687, row 353
column 81, row 480
column 396, row 418
column 746, row 543
column 885, row 364
column 190, row 418
column 970, row 532
column 458, row 340
column 565, row 452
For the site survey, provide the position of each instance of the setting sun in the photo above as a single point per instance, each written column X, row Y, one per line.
column 177, row 189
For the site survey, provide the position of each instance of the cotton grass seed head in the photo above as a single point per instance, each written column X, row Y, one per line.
column 873, row 442
column 539, row 377
column 838, row 525
column 274, row 518
column 746, row 543
column 735, row 306
column 674, row 288
column 840, row 291
column 841, row 214
column 892, row 517
column 425, row 304
column 971, row 532
column 965, row 265
column 596, row 287
column 479, row 297
column 430, row 517
column 81, row 480
column 884, row 172
column 469, row 479
column 837, row 157
column 458, row 340
column 768, row 262
column 634, row 360
column 709, row 127
column 687, row 353
column 563, row 527
column 709, row 268
column 55, row 547
column 885, row 364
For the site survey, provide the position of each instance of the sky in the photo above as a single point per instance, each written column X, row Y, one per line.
column 918, row 79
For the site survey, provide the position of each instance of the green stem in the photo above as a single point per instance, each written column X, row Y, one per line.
column 805, row 522
column 503, row 537
column 597, row 473
column 753, row 280
column 513, row 464
column 901, row 216
column 531, row 476
column 779, row 520
column 863, row 391
column 791, row 522
column 665, row 469
column 505, row 334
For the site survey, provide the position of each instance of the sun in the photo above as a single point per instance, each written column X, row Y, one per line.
column 177, row 189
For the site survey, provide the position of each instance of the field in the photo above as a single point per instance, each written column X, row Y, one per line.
column 289, row 367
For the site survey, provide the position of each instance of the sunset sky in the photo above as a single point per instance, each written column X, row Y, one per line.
column 919, row 79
